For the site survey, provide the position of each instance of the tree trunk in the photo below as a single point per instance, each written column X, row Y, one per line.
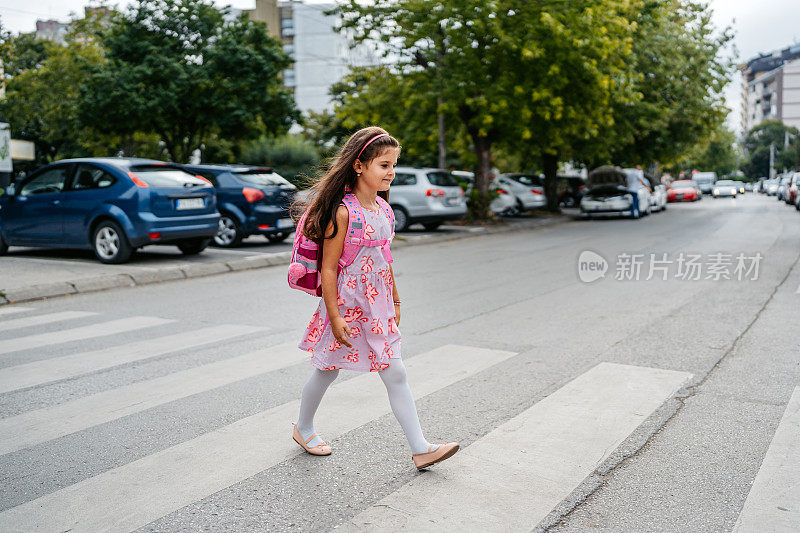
column 550, row 166
column 442, row 141
column 479, row 203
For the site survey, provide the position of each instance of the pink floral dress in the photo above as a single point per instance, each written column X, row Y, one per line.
column 366, row 304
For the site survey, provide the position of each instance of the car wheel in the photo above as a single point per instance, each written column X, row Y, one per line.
column 193, row 246
column 110, row 244
column 400, row 218
column 277, row 237
column 229, row 233
column 3, row 246
column 432, row 226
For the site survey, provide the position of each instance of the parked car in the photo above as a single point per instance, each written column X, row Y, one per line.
column 683, row 191
column 110, row 205
column 610, row 199
column 528, row 189
column 505, row 204
column 725, row 188
column 771, row 187
column 790, row 196
column 427, row 195
column 748, row 187
column 783, row 183
column 658, row 198
column 705, row 181
column 250, row 200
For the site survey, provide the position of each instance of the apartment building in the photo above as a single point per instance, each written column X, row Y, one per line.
column 771, row 88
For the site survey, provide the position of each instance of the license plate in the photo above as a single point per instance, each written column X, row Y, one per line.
column 189, row 203
column 452, row 201
column 285, row 223
column 679, row 197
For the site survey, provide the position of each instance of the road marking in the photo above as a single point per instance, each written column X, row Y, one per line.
column 773, row 503
column 528, row 465
column 12, row 310
column 40, row 320
column 133, row 495
column 34, row 427
column 70, row 366
column 77, row 334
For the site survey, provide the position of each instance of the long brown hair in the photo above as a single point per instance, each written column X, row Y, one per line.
column 326, row 194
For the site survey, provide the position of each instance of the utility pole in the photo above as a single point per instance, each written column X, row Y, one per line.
column 771, row 161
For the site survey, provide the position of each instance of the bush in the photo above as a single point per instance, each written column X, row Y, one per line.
column 292, row 156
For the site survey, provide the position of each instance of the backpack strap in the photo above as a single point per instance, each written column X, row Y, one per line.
column 355, row 230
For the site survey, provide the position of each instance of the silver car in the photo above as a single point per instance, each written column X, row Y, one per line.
column 725, row 188
column 528, row 189
column 504, row 204
column 426, row 195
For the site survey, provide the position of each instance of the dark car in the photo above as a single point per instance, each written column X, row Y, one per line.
column 570, row 190
column 251, row 200
column 109, row 205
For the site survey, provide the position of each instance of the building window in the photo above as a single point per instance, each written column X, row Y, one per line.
column 288, row 78
column 288, row 48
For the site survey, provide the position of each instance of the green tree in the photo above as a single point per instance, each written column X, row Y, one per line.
column 785, row 141
column 679, row 76
column 569, row 66
column 717, row 154
column 177, row 69
column 451, row 54
column 43, row 84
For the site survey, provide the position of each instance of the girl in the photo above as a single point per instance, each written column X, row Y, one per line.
column 356, row 323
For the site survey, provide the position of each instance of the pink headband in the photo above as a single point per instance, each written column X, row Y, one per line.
column 369, row 141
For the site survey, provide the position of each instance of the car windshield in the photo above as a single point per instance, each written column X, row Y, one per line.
column 442, row 178
column 159, row 176
column 727, row 183
column 703, row 179
column 682, row 185
column 527, row 179
column 263, row 178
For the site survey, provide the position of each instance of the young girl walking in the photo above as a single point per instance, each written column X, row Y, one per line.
column 355, row 326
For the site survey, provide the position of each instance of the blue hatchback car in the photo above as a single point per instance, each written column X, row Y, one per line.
column 251, row 200
column 109, row 205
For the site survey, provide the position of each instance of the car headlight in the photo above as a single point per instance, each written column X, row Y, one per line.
column 716, row 191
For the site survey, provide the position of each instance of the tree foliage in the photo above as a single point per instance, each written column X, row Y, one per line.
column 786, row 143
column 177, row 69
column 717, row 154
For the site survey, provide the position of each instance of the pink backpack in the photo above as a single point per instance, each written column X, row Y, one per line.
column 307, row 254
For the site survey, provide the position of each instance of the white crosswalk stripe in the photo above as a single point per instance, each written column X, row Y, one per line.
column 82, row 333
column 41, row 425
column 40, row 320
column 133, row 495
column 525, row 467
column 773, row 503
column 13, row 310
column 70, row 366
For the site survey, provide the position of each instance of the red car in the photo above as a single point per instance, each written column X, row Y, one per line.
column 683, row 191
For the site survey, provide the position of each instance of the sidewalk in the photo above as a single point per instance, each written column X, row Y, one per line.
column 58, row 273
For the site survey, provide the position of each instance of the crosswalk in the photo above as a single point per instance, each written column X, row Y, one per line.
column 540, row 456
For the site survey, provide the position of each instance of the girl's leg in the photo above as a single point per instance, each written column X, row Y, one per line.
column 402, row 402
column 313, row 391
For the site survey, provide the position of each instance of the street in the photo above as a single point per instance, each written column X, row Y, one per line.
column 620, row 397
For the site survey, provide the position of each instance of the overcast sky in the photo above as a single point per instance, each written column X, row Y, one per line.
column 761, row 26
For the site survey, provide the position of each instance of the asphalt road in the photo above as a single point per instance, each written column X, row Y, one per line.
column 628, row 404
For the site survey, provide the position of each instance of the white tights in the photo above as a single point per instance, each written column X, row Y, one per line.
column 400, row 398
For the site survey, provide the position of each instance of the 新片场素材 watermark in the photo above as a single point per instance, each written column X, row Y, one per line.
column 681, row 266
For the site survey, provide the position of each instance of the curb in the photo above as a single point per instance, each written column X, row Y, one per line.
column 196, row 270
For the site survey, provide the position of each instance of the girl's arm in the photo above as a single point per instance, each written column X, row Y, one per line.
column 331, row 252
column 395, row 297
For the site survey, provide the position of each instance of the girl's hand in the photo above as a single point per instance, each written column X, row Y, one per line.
column 397, row 315
column 341, row 331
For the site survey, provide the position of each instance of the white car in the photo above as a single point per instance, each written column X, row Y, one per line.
column 658, row 198
column 528, row 189
column 504, row 204
column 609, row 200
column 725, row 188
